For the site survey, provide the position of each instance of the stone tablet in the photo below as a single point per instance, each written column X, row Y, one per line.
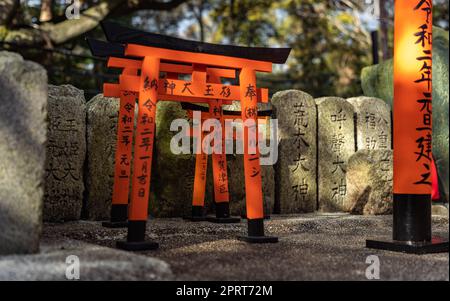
column 102, row 114
column 336, row 135
column 66, row 152
column 23, row 130
column 369, row 182
column 373, row 123
column 296, row 175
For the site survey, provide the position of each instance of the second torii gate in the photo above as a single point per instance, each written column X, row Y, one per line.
column 155, row 51
column 220, row 177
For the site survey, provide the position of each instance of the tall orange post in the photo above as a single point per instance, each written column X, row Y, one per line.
column 198, row 197
column 220, row 173
column 252, row 167
column 143, row 152
column 412, row 131
column 122, row 164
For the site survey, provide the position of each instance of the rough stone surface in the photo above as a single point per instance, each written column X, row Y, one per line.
column 369, row 182
column 23, row 129
column 172, row 175
column 95, row 262
column 373, row 123
column 311, row 247
column 102, row 114
column 236, row 180
column 296, row 174
column 66, row 152
column 335, row 146
column 377, row 82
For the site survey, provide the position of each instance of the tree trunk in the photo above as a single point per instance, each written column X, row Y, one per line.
column 384, row 17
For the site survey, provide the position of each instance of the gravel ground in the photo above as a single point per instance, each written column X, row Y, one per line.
column 311, row 247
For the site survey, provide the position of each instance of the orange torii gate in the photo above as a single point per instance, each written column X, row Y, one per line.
column 127, row 96
column 141, row 78
column 220, row 177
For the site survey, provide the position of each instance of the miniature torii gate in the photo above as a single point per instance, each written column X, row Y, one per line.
column 158, row 54
column 220, row 177
column 115, row 54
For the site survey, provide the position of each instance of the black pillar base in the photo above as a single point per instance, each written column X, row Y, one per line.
column 197, row 215
column 256, row 233
column 411, row 227
column 259, row 239
column 119, row 216
column 437, row 245
column 223, row 215
column 137, row 246
column 136, row 238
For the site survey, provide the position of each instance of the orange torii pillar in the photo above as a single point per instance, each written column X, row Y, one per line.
column 122, row 166
column 412, row 132
column 252, row 167
column 143, row 153
column 201, row 167
column 220, row 173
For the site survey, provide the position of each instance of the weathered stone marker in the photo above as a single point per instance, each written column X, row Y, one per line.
column 336, row 132
column 297, row 151
column 369, row 182
column 66, row 151
column 373, row 123
column 23, row 129
column 102, row 115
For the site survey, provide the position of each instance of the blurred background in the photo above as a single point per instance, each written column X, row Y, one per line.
column 331, row 40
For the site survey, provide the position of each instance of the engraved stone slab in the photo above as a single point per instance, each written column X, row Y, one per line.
column 66, row 151
column 336, row 143
column 296, row 176
column 373, row 123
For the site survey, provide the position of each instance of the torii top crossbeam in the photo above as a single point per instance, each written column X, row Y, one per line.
column 120, row 34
